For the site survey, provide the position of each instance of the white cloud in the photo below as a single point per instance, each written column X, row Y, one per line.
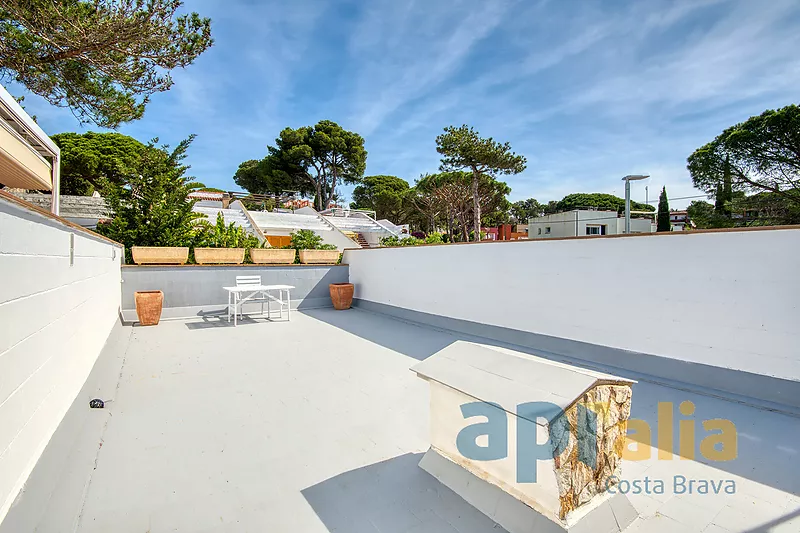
column 403, row 51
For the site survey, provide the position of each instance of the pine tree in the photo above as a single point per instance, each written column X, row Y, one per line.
column 727, row 189
column 663, row 212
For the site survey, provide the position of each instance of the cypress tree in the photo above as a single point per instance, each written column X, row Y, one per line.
column 663, row 212
column 727, row 189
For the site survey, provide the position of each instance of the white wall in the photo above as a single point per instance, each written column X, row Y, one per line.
column 573, row 223
column 732, row 303
column 54, row 320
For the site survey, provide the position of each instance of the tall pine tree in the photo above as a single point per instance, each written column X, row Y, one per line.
column 724, row 196
column 663, row 212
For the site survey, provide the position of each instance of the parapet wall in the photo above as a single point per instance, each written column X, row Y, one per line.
column 717, row 310
column 59, row 299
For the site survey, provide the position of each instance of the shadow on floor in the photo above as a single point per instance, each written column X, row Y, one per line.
column 222, row 322
column 769, row 526
column 393, row 495
column 412, row 340
column 766, row 441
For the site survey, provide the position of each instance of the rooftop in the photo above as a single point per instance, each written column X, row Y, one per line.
column 317, row 425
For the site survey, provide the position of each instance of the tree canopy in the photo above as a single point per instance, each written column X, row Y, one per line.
column 598, row 200
column 103, row 59
column 762, row 154
column 310, row 159
column 266, row 177
column 526, row 209
column 383, row 194
column 151, row 208
column 447, row 198
column 90, row 159
column 463, row 148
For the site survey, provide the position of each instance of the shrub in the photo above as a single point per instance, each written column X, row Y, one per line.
column 305, row 239
column 418, row 234
column 393, row 241
column 434, row 238
column 221, row 236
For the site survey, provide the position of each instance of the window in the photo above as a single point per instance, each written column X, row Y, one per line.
column 540, row 231
column 599, row 229
column 547, row 230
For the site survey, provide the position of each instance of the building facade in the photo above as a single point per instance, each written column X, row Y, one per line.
column 584, row 222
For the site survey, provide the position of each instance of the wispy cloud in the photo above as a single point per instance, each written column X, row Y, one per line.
column 588, row 93
column 405, row 50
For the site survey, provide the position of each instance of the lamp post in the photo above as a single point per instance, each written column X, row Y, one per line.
column 627, row 180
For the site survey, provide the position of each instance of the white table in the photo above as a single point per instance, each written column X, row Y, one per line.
column 242, row 294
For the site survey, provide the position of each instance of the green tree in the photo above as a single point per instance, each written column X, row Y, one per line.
column 319, row 158
column 701, row 214
column 151, row 208
column 724, row 194
column 551, row 207
column 766, row 209
column 383, row 194
column 761, row 154
column 449, row 195
column 598, row 200
column 662, row 220
column 90, row 159
column 463, row 149
column 266, row 177
column 100, row 58
column 526, row 209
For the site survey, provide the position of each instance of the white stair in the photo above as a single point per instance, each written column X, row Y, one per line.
column 229, row 215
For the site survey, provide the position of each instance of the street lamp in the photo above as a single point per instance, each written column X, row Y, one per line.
column 628, row 180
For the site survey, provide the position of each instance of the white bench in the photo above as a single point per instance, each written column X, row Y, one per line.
column 248, row 289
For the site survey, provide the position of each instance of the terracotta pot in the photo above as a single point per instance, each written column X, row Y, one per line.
column 160, row 255
column 148, row 306
column 319, row 257
column 341, row 295
column 272, row 256
column 228, row 256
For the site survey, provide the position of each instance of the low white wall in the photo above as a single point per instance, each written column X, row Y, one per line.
column 54, row 320
column 726, row 299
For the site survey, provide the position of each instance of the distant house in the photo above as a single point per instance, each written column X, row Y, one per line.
column 582, row 222
column 678, row 220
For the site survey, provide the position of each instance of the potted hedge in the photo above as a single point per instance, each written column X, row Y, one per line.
column 267, row 255
column 311, row 251
column 160, row 255
column 221, row 244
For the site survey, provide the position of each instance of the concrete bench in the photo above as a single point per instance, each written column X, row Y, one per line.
column 531, row 443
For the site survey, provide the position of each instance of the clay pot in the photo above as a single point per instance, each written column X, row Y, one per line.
column 341, row 295
column 148, row 306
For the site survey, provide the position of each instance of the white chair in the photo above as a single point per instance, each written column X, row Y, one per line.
column 251, row 281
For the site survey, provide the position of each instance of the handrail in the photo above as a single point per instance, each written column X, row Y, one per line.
column 257, row 231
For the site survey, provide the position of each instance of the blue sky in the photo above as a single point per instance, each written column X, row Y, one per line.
column 588, row 92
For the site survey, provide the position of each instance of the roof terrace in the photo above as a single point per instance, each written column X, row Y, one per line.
column 318, row 424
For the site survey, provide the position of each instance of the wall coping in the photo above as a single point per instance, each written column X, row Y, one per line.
column 27, row 206
column 243, row 265
column 598, row 237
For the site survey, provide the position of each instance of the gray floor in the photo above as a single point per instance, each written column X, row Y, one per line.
column 317, row 425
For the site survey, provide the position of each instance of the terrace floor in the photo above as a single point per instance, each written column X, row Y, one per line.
column 317, row 425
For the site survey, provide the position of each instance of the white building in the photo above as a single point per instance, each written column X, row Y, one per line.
column 584, row 222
